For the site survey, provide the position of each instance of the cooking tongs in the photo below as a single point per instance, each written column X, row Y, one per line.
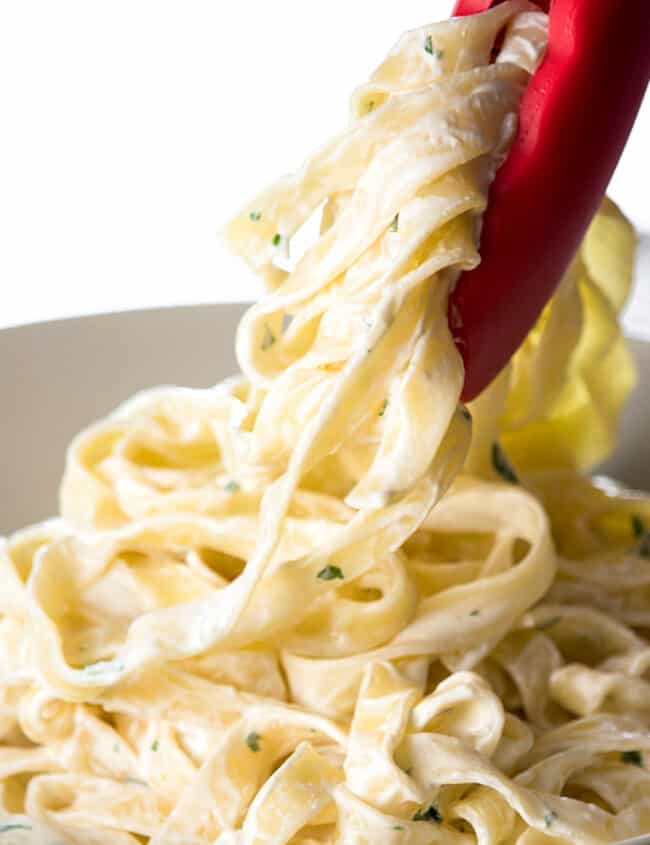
column 575, row 118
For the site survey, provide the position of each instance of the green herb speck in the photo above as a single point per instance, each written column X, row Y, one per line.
column 277, row 239
column 549, row 818
column 397, row 827
column 6, row 828
column 642, row 534
column 502, row 465
column 431, row 50
column 253, row 741
column 638, row 526
column 475, row 613
column 330, row 573
column 632, row 758
column 394, row 226
column 232, row 487
column 384, row 405
column 155, row 745
column 269, row 338
column 255, row 216
column 430, row 814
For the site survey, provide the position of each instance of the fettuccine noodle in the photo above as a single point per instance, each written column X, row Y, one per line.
column 309, row 605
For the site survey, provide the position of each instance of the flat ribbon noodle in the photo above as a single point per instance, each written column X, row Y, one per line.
column 300, row 606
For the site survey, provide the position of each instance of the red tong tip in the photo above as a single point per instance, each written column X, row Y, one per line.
column 574, row 120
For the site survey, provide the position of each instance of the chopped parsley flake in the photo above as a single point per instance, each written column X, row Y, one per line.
column 371, row 106
column 253, row 741
column 638, row 526
column 277, row 239
column 394, row 226
column 632, row 758
column 255, row 216
column 430, row 814
column 475, row 613
column 549, row 623
column 232, row 487
column 502, row 465
column 6, row 828
column 269, row 338
column 136, row 782
column 641, row 533
column 384, row 405
column 155, row 745
column 330, row 573
column 431, row 50
column 397, row 827
column 549, row 818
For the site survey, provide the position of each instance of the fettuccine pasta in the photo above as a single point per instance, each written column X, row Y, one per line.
column 324, row 603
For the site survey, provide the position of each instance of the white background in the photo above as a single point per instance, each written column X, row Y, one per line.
column 131, row 129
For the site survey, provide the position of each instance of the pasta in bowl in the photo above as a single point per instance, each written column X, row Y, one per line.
column 324, row 602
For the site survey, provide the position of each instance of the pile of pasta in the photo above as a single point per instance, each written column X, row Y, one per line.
column 324, row 602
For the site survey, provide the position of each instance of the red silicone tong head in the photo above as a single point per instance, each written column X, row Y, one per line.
column 575, row 118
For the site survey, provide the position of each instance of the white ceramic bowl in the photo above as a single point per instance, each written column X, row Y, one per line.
column 57, row 377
